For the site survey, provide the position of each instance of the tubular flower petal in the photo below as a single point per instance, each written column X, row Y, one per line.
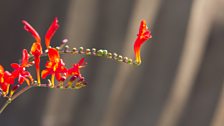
column 30, row 29
column 143, row 35
column 51, row 31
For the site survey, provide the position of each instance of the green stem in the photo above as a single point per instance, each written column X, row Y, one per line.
column 10, row 99
column 5, row 105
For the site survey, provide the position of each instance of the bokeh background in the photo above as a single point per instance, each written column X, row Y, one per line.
column 180, row 81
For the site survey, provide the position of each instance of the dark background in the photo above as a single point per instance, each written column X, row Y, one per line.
column 180, row 81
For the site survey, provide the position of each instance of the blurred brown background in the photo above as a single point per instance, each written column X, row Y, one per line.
column 180, row 81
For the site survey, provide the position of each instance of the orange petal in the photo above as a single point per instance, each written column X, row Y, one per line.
column 1, row 74
column 53, row 55
column 36, row 49
column 143, row 35
column 30, row 29
column 51, row 31
column 45, row 73
column 1, row 69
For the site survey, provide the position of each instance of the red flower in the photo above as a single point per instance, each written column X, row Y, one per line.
column 75, row 70
column 5, row 80
column 3, row 86
column 51, row 31
column 55, row 66
column 36, row 49
column 20, row 69
column 143, row 35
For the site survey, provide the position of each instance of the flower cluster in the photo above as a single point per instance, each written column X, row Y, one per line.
column 68, row 78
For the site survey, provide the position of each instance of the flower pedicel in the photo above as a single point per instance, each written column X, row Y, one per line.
column 68, row 78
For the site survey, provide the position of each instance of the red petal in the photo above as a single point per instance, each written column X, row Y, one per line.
column 8, row 77
column 53, row 55
column 21, row 79
column 30, row 29
column 15, row 65
column 51, row 31
column 61, row 67
column 25, row 73
column 4, row 87
column 58, row 76
column 25, row 58
column 82, row 62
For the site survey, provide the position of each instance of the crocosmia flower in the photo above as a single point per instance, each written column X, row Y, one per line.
column 75, row 74
column 54, row 67
column 36, row 49
column 20, row 69
column 3, row 86
column 5, row 80
column 143, row 35
column 75, row 70
column 51, row 31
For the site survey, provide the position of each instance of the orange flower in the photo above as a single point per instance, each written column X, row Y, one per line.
column 20, row 69
column 143, row 35
column 36, row 49
column 55, row 66
column 51, row 31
